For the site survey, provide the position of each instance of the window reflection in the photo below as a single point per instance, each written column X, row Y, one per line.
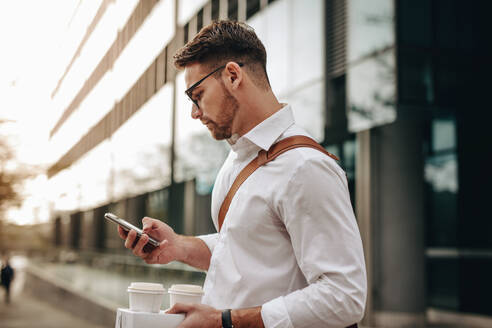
column 416, row 78
column 306, row 104
column 441, row 176
column 141, row 148
column 371, row 92
column 371, row 69
column 345, row 151
column 371, row 27
column 291, row 44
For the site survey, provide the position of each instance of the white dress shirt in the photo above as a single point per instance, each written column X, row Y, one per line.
column 289, row 242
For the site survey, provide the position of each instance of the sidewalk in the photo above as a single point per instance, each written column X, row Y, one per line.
column 25, row 311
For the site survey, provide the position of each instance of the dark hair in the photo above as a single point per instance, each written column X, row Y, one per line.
column 223, row 41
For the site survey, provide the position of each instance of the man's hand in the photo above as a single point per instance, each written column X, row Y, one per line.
column 168, row 249
column 198, row 315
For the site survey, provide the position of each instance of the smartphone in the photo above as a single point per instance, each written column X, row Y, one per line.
column 127, row 226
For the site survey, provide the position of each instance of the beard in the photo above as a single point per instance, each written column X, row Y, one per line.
column 222, row 128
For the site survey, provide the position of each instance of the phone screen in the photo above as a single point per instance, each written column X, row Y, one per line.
column 127, row 226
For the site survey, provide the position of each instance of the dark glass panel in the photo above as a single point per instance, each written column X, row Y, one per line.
column 414, row 22
column 415, row 78
column 232, row 8
column 186, row 32
column 445, row 23
column 215, row 9
column 199, row 20
column 476, row 284
column 443, row 283
column 441, row 178
column 446, row 80
column 252, row 7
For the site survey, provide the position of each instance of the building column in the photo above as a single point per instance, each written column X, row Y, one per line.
column 390, row 208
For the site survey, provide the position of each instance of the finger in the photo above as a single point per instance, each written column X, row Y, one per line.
column 153, row 256
column 148, row 224
column 138, row 249
column 130, row 239
column 180, row 308
column 122, row 232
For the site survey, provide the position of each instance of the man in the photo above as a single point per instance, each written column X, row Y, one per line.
column 289, row 253
column 6, row 277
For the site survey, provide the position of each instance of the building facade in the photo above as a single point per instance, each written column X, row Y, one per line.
column 392, row 87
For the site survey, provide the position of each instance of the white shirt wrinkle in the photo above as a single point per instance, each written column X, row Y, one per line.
column 290, row 223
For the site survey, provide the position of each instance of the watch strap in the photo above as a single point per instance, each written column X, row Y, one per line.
column 227, row 319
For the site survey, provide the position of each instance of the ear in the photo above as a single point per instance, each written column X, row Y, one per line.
column 234, row 75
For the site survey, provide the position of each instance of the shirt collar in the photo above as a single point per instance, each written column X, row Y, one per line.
column 268, row 131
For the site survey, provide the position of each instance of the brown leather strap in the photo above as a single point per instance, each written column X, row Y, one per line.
column 263, row 158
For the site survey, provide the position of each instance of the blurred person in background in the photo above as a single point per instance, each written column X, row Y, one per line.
column 7, row 276
column 289, row 253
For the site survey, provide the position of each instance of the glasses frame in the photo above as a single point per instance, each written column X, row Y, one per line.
column 189, row 91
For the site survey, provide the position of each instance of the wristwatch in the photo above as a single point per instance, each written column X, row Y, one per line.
column 226, row 319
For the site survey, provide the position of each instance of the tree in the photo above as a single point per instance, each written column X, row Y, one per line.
column 12, row 176
column 10, row 179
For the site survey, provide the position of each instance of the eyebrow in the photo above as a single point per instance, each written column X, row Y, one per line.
column 194, row 91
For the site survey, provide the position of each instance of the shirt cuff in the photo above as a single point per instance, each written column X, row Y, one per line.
column 210, row 240
column 274, row 314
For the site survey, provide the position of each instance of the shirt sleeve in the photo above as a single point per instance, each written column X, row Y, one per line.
column 210, row 240
column 318, row 215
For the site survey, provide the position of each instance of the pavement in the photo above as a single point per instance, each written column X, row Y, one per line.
column 27, row 311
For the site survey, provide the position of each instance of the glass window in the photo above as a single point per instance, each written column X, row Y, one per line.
column 441, row 179
column 371, row 71
column 446, row 21
column 252, row 7
column 443, row 282
column 371, row 92
column 271, row 25
column 199, row 20
column 370, row 27
column 444, row 135
column 306, row 45
column 156, row 205
column 308, row 104
column 215, row 9
column 415, row 78
column 414, row 22
column 186, row 33
column 187, row 9
column 475, row 283
column 140, row 148
column 232, row 9
column 447, row 88
column 345, row 151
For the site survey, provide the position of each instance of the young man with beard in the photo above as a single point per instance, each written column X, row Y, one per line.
column 289, row 252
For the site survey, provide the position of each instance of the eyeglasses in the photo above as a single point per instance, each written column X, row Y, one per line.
column 189, row 91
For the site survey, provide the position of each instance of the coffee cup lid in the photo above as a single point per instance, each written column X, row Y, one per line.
column 147, row 287
column 189, row 289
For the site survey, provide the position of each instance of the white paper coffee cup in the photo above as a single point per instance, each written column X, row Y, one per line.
column 145, row 296
column 185, row 294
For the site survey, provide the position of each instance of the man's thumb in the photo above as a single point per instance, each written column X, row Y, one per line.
column 179, row 308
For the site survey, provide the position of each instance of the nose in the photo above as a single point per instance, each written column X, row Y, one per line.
column 196, row 112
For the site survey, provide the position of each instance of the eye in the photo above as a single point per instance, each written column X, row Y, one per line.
column 197, row 96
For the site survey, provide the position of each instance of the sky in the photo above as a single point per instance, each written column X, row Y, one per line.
column 32, row 34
